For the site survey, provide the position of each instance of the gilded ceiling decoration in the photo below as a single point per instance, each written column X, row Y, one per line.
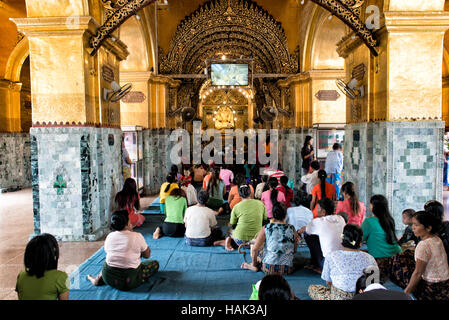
column 348, row 11
column 117, row 12
column 236, row 28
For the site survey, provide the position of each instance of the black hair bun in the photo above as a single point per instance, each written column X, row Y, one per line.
column 119, row 220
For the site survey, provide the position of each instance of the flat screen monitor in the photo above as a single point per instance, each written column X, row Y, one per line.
column 229, row 74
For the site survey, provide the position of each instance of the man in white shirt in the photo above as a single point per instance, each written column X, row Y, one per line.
column 323, row 234
column 300, row 215
column 311, row 179
column 201, row 223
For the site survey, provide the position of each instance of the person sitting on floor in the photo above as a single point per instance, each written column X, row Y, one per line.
column 430, row 279
column 408, row 234
column 436, row 208
column 166, row 189
column 227, row 176
column 129, row 199
column 300, row 215
column 123, row 269
column 247, row 219
column 342, row 268
column 380, row 236
column 322, row 234
column 189, row 189
column 260, row 187
column 174, row 171
column 278, row 240
column 322, row 190
column 217, row 189
column 286, row 190
column 367, row 289
column 41, row 279
column 311, row 179
column 234, row 196
column 198, row 176
column 351, row 204
column 272, row 196
column 201, row 224
column 275, row 288
column 175, row 207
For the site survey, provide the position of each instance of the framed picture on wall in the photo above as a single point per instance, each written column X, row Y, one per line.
column 326, row 139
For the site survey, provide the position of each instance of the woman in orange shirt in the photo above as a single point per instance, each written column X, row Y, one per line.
column 323, row 187
column 234, row 196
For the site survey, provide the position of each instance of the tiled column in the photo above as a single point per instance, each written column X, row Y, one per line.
column 76, row 173
column 75, row 138
column 15, row 161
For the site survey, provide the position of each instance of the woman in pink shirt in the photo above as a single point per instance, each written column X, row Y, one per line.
column 351, row 205
column 123, row 268
column 272, row 196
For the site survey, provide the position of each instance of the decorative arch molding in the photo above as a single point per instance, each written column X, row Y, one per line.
column 118, row 13
column 232, row 27
column 16, row 59
column 348, row 12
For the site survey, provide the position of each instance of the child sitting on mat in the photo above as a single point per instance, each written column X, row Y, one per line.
column 41, row 279
column 123, row 269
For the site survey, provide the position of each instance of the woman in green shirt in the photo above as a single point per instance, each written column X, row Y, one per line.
column 41, row 279
column 175, row 207
column 247, row 218
column 379, row 234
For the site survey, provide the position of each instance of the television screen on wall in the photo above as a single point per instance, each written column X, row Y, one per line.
column 229, row 74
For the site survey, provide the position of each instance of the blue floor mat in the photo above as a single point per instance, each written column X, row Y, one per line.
column 188, row 273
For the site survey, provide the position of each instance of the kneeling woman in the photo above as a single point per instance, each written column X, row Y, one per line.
column 123, row 269
column 247, row 218
column 280, row 241
column 342, row 268
column 175, row 207
column 430, row 280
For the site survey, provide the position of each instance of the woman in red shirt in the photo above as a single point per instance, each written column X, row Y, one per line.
column 288, row 192
column 323, row 187
column 351, row 205
column 129, row 199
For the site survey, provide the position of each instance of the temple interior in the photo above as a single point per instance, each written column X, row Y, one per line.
column 79, row 77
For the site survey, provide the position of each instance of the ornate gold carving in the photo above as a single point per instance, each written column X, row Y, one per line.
column 19, row 37
column 125, row 9
column 348, row 12
column 234, row 28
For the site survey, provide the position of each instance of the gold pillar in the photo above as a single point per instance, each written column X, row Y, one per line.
column 10, row 106
column 324, row 109
column 66, row 82
column 412, row 63
column 136, row 111
column 159, row 88
column 446, row 101
column 305, row 88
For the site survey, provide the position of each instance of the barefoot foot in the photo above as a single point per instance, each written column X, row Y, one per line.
column 157, row 233
column 249, row 267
